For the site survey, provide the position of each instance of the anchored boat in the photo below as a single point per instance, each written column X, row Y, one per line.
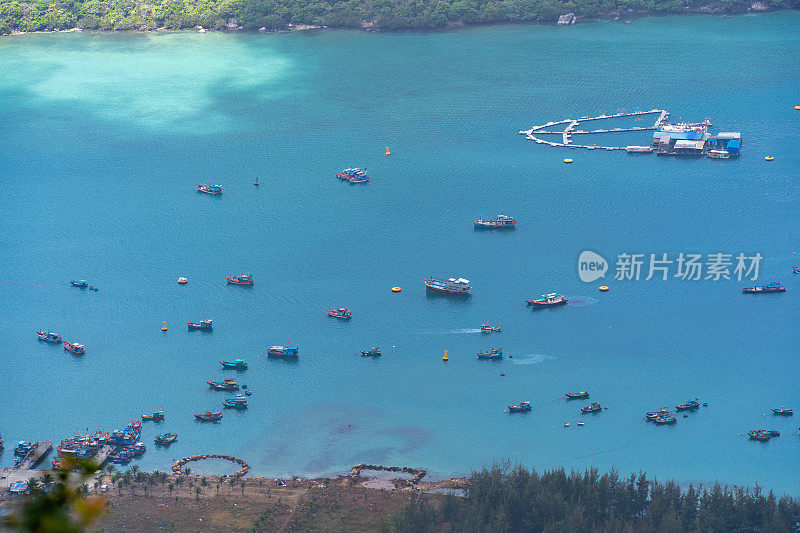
column 240, row 402
column 203, row 324
column 238, row 364
column 80, row 283
column 244, row 279
column 209, row 189
column 158, row 415
column 209, row 416
column 548, row 300
column 48, row 336
column 494, row 353
column 692, row 404
column 500, row 221
column 592, row 408
column 523, row 406
column 486, row 328
column 374, row 352
column 228, row 384
column 758, row 289
column 353, row 175
column 576, row 395
column 166, row 439
column 74, row 347
column 342, row 312
column 783, row 412
column 447, row 286
column 282, row 351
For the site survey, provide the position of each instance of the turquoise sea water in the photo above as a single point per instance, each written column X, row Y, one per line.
column 103, row 136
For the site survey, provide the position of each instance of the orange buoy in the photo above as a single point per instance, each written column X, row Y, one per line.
column 396, row 289
column 164, row 326
column 568, row 160
column 445, row 356
column 387, row 151
column 603, row 288
column 182, row 281
column 769, row 158
column 797, row 107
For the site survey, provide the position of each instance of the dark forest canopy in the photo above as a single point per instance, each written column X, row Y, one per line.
column 44, row 15
column 501, row 499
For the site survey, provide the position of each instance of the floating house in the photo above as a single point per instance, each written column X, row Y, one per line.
column 694, row 139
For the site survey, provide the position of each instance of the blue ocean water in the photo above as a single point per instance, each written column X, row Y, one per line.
column 103, row 137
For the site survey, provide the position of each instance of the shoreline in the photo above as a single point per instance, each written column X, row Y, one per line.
column 623, row 17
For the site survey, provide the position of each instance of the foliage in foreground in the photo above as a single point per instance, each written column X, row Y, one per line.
column 504, row 500
column 40, row 15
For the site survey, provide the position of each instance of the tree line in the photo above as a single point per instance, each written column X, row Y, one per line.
column 44, row 15
column 501, row 499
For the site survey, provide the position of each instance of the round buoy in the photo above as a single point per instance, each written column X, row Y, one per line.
column 603, row 288
column 769, row 158
column 396, row 289
column 797, row 107
column 182, row 281
column 164, row 326
column 568, row 160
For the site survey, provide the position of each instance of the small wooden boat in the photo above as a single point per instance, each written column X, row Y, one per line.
column 240, row 402
column 342, row 312
column 158, row 415
column 138, row 449
column 48, row 336
column 662, row 420
column 693, row 404
column 652, row 415
column 228, row 384
column 523, row 406
column 773, row 432
column 761, row 289
column 373, row 352
column 353, row 175
column 205, row 323
column 166, row 439
column 796, row 270
column 282, row 351
column 209, row 189
column 74, row 347
column 486, row 328
column 577, row 395
column 783, row 412
column 244, row 279
column 759, row 434
column 209, row 416
column 237, row 364
column 548, row 300
column 80, row 283
column 500, row 221
column 592, row 408
column 494, row 353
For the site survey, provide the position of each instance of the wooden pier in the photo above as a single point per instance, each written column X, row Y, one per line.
column 34, row 456
column 571, row 125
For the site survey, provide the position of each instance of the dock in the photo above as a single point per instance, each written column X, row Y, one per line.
column 34, row 456
column 571, row 125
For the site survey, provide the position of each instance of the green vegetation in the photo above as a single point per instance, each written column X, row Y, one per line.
column 503, row 500
column 41, row 15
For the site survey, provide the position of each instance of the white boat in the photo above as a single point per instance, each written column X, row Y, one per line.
column 719, row 154
column 633, row 149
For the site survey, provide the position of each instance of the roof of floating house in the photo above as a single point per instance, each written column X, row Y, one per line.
column 696, row 145
column 728, row 135
column 736, row 143
column 678, row 135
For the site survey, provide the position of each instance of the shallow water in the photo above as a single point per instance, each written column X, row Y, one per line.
column 103, row 136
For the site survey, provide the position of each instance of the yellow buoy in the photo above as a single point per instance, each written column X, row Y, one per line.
column 256, row 183
column 445, row 356
column 797, row 107
column 164, row 326
column 387, row 151
column 568, row 160
column 182, row 280
column 603, row 288
column 396, row 289
column 769, row 158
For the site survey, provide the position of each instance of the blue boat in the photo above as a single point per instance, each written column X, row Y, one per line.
column 494, row 353
column 761, row 289
column 80, row 283
column 203, row 324
column 238, row 364
column 523, row 406
column 209, row 189
column 282, row 351
column 240, row 402
column 447, row 286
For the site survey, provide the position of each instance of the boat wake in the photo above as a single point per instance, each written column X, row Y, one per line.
column 531, row 359
column 582, row 300
column 466, row 330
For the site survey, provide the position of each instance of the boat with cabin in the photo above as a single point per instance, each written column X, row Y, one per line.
column 500, row 221
column 783, row 412
column 796, row 269
column 760, row 289
column 80, row 283
column 205, row 323
column 244, row 279
column 372, row 352
column 633, row 149
column 486, row 328
column 228, row 384
column 353, row 175
column 48, row 336
column 692, row 404
column 209, row 416
column 577, row 395
column 759, row 434
column 209, row 189
column 456, row 286
column 652, row 415
column 592, row 408
column 342, row 312
column 494, row 353
column 238, row 364
column 74, row 347
column 667, row 419
column 548, row 300
column 718, row 154
column 166, row 439
column 157, row 416
column 282, row 351
column 522, row 406
column 240, row 402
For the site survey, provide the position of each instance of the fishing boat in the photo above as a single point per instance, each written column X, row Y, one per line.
column 548, row 300
column 652, row 415
column 759, row 434
column 447, row 286
column 158, row 415
column 592, row 408
column 209, row 416
column 796, row 269
column 282, row 351
column 494, row 353
column 205, row 323
column 500, row 221
column 73, row 347
column 24, row 448
column 486, row 328
column 166, row 439
column 374, row 352
column 783, row 412
column 692, row 404
column 633, row 149
column 662, row 420
column 48, row 336
column 353, row 175
column 342, row 312
column 228, row 384
column 209, row 189
column 237, row 364
column 576, row 395
column 773, row 432
column 718, row 154
column 80, row 283
column 240, row 402
column 523, row 406
column 138, row 449
column 758, row 289
column 244, row 279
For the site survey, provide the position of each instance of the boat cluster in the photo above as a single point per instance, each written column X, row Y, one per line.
column 73, row 347
column 81, row 284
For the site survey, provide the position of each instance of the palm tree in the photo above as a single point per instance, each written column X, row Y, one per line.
column 197, row 491
column 47, row 479
column 187, row 471
column 170, row 487
column 33, row 485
